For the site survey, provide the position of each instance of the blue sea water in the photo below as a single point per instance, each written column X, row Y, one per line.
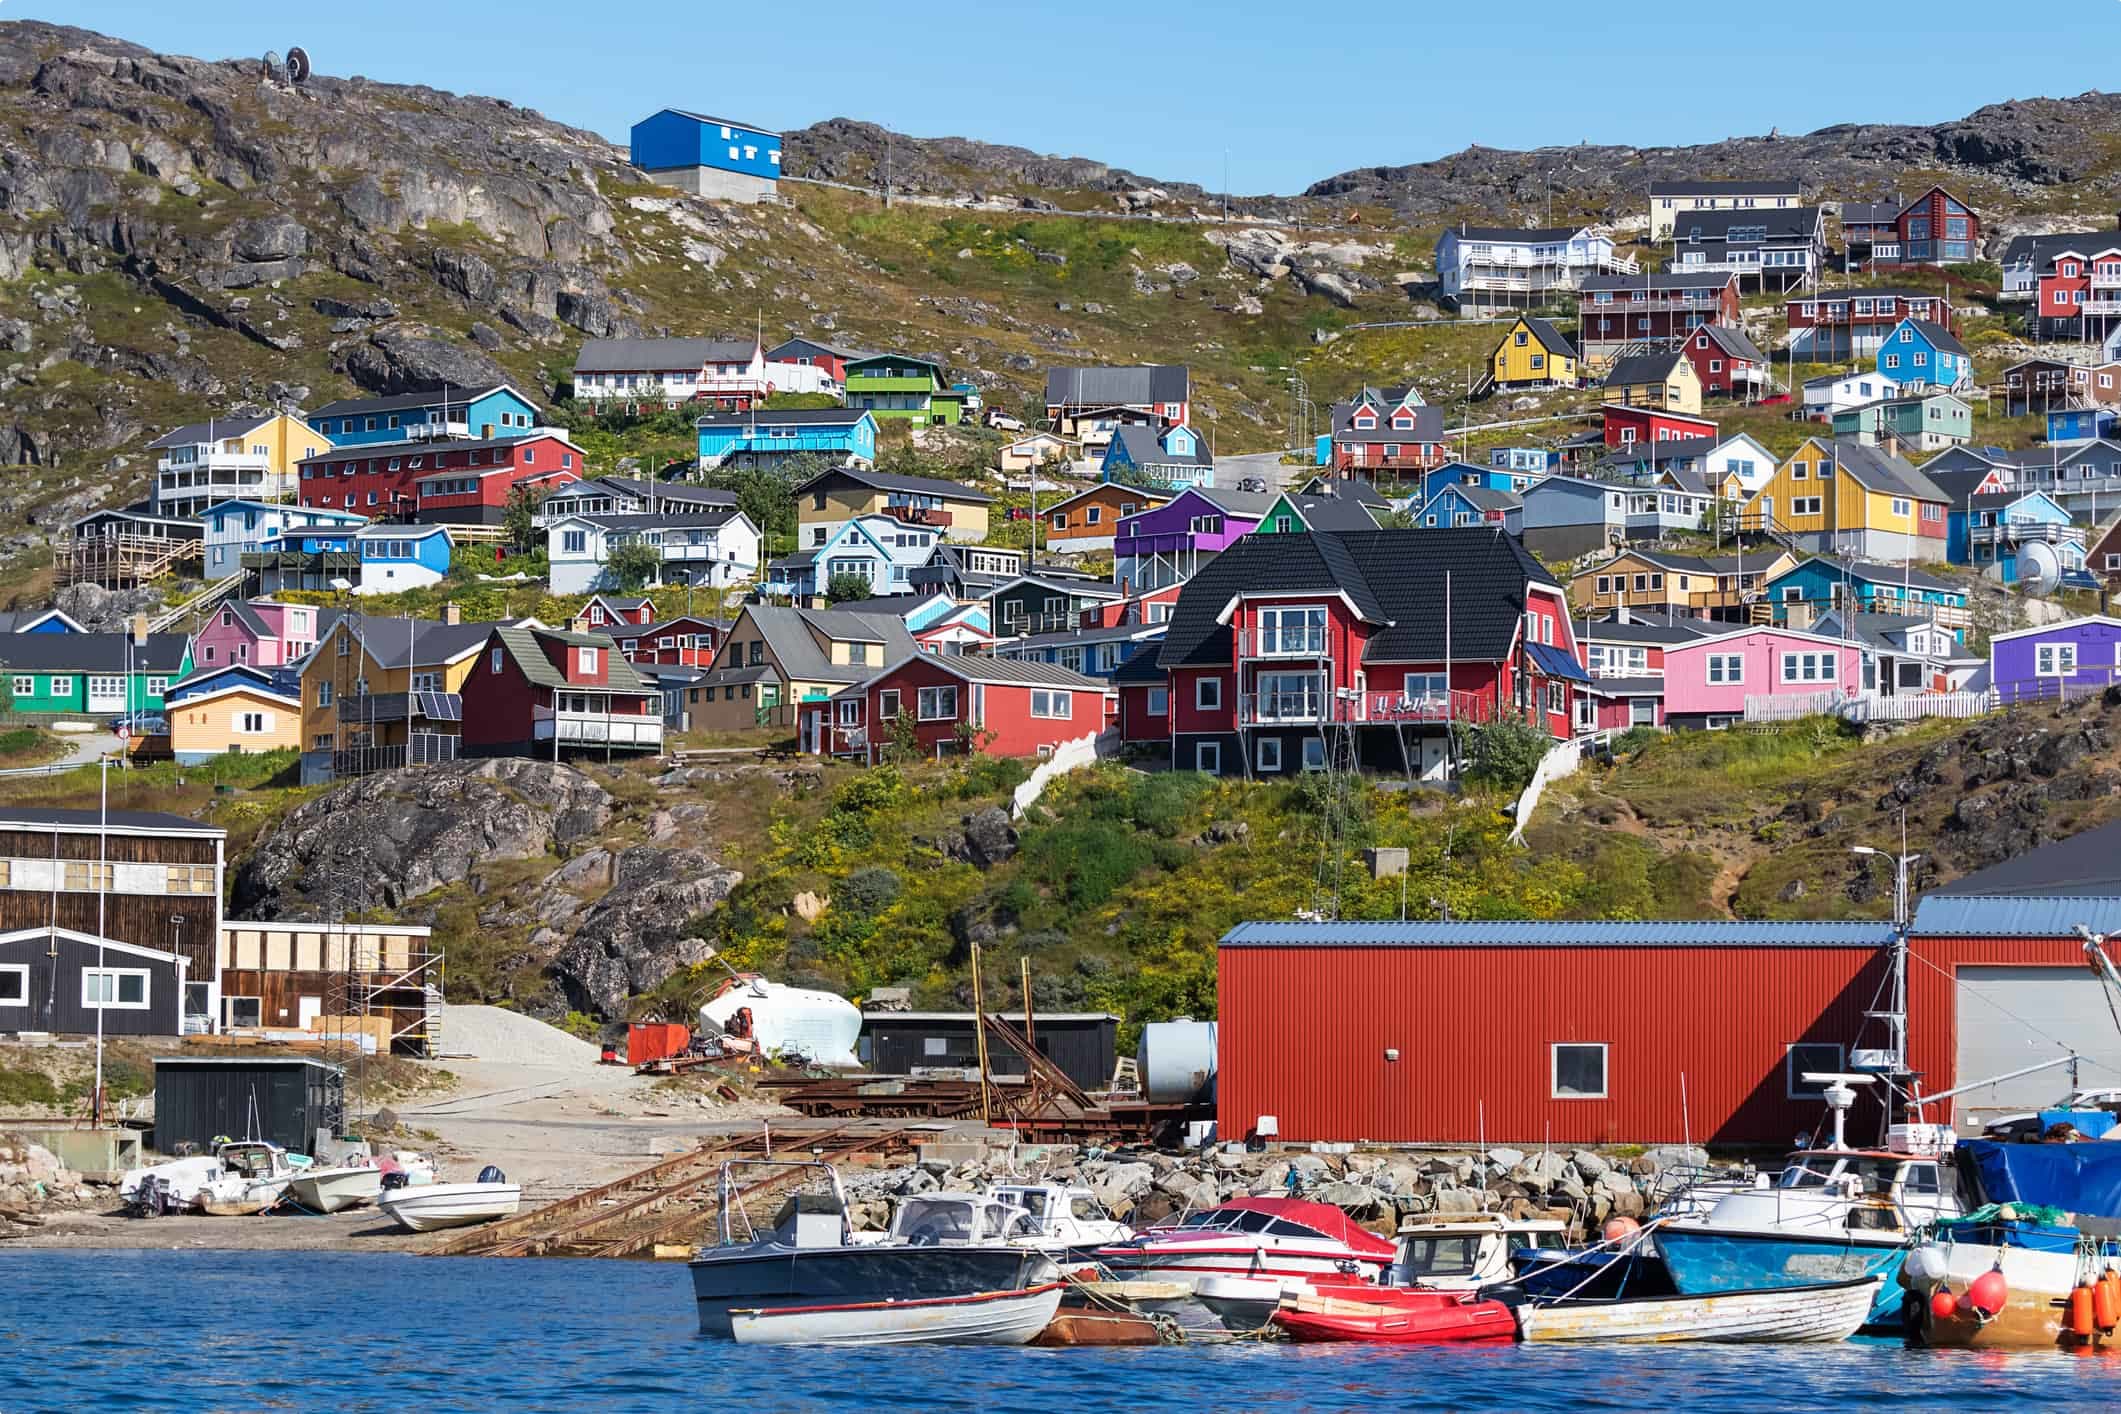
column 271, row 1331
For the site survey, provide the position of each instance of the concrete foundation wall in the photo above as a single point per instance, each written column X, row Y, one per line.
column 717, row 185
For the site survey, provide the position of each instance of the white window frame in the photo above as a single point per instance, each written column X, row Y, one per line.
column 25, row 684
column 1732, row 665
column 2055, row 660
column 1159, row 701
column 1207, row 694
column 16, row 969
column 1605, row 1071
column 1044, row 701
column 1208, row 757
column 888, row 705
column 1269, row 759
column 116, row 977
column 934, row 696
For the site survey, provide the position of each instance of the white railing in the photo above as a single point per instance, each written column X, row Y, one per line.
column 218, row 461
column 1918, row 706
column 1791, row 706
column 598, row 728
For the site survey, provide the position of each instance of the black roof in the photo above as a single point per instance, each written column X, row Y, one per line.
column 1643, row 368
column 893, row 481
column 1395, row 579
column 456, row 394
column 2084, row 865
column 1778, row 223
column 1142, row 665
column 91, row 652
column 1769, row 186
column 90, row 819
column 1550, row 338
column 1529, row 235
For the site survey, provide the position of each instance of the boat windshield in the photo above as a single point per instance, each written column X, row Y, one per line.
column 1816, row 1170
column 1439, row 1256
column 1247, row 1220
column 1085, row 1208
column 1031, row 1200
column 927, row 1220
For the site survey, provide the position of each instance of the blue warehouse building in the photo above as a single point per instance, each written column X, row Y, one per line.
column 711, row 157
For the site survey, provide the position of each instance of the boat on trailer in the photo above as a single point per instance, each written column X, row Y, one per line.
column 1828, row 1312
column 980, row 1318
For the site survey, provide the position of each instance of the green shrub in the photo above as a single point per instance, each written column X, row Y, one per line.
column 1161, row 803
column 1084, row 862
column 1503, row 754
column 582, row 1025
column 867, row 890
column 1635, row 738
column 27, row 1087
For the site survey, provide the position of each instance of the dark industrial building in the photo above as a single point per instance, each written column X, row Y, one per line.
column 56, row 981
column 284, row 1099
column 1083, row 1044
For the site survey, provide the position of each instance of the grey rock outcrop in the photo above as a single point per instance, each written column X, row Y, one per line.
column 633, row 938
column 403, row 358
column 383, row 840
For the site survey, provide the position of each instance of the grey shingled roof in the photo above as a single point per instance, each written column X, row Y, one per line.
column 892, row 481
column 788, row 632
column 1880, row 470
column 1938, row 336
column 1642, row 368
column 91, row 652
column 1428, row 425
column 1733, row 342
column 636, row 355
column 1660, row 280
column 1550, row 338
column 422, row 642
column 521, row 642
column 1871, row 213
column 1780, row 224
column 455, row 394
column 1137, row 386
column 191, row 434
column 1873, row 572
column 1530, row 235
column 1144, row 449
column 1013, row 671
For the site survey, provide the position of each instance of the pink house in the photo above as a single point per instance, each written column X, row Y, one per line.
column 259, row 634
column 1707, row 681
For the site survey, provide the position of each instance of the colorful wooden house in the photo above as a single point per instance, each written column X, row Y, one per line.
column 1665, row 381
column 379, row 694
column 1989, row 531
column 1170, row 459
column 768, row 438
column 1387, row 430
column 1845, row 498
column 957, row 704
column 438, row 414
column 1626, row 426
column 900, row 387
column 444, row 482
column 1808, row 589
column 1727, row 363
column 1679, row 586
column 2104, row 557
column 876, row 549
column 1936, row 228
column 1165, row 544
column 1834, row 326
column 1455, row 505
column 1532, row 354
column 1089, row 519
column 832, row 498
column 1922, row 422
column 92, row 675
column 1292, row 513
column 1922, row 353
column 1708, row 681
column 218, row 711
column 1156, row 395
column 2078, row 656
column 1656, row 308
column 247, row 457
column 536, row 691
column 258, row 633
column 776, row 658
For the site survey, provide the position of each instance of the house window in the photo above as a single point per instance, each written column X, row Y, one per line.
column 1900, row 506
column 1269, row 753
column 1055, row 703
column 499, row 656
column 324, row 693
column 1208, row 757
column 850, row 712
column 1727, row 667
column 1816, row 1057
column 1159, row 701
column 27, row 686
column 937, row 704
column 2055, row 660
column 14, row 985
column 887, row 705
column 114, row 988
column 1292, row 631
column 85, row 875
column 1807, row 667
column 190, row 879
column 574, row 542
column 1605, row 584
column 251, row 723
column 1208, row 694
column 1579, row 1070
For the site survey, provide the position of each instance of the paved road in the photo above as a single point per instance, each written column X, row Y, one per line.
column 82, row 750
column 1267, row 466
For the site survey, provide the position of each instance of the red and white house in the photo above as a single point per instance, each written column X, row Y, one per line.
column 2082, row 280
column 1626, row 426
column 1388, row 429
column 1150, row 606
column 536, row 691
column 1396, row 634
column 686, row 641
column 994, row 706
column 1729, row 364
column 607, row 613
column 391, row 481
column 1831, row 326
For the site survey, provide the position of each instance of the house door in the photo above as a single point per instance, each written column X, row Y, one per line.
column 1435, row 756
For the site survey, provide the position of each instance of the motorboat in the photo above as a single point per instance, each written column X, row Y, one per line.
column 1169, row 1303
column 2006, row 1275
column 1825, row 1312
column 169, row 1186
column 1832, row 1214
column 1245, row 1255
column 333, row 1190
column 254, row 1177
column 1463, row 1252
column 1395, row 1315
column 1011, row 1317
column 1069, row 1219
column 1630, row 1269
column 427, row 1207
column 939, row 1245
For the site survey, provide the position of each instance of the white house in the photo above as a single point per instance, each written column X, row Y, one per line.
column 1741, row 460
column 877, row 548
column 395, row 557
column 1837, row 392
column 730, row 373
column 1496, row 267
column 719, row 547
column 236, row 527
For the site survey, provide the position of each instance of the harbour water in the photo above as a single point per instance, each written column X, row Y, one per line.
column 203, row 1331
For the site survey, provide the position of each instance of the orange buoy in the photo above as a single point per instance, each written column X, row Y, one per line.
column 1619, row 1229
column 2080, row 1313
column 2106, row 1300
column 1989, row 1292
column 1944, row 1305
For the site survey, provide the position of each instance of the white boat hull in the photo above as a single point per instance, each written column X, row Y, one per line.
column 439, row 1205
column 239, row 1198
column 334, row 1190
column 1788, row 1315
column 988, row 1318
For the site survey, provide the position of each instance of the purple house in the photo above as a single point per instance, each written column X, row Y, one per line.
column 1165, row 544
column 2055, row 660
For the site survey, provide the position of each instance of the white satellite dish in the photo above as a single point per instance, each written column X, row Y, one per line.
column 2039, row 568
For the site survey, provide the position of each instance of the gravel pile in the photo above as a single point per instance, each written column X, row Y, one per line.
column 491, row 1033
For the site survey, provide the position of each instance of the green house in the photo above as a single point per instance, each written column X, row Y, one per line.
column 1924, row 422
column 1294, row 514
column 92, row 674
column 903, row 387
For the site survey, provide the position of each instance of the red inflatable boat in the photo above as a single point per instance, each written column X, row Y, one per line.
column 1396, row 1316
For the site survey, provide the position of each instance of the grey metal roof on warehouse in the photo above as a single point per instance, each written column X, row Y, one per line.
column 39, row 817
column 1137, row 386
column 522, row 644
column 191, row 434
column 638, row 355
column 1950, row 915
column 2085, row 864
column 1553, row 933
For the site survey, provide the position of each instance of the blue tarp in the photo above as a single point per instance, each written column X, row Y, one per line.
column 1556, row 662
column 2084, row 1179
column 2092, row 1124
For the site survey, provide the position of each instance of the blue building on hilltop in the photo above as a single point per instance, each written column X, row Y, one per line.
column 718, row 158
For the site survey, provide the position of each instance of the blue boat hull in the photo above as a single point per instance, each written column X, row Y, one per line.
column 1703, row 1260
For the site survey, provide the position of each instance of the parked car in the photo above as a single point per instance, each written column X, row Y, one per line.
column 141, row 724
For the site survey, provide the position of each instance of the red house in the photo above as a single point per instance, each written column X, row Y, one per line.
column 538, row 692
column 1936, row 228
column 1657, row 308
column 391, row 480
column 1144, row 689
column 1625, row 426
column 1152, row 606
column 607, row 613
column 1388, row 429
column 1729, row 364
column 687, row 641
column 1012, row 708
column 2081, row 280
column 1395, row 634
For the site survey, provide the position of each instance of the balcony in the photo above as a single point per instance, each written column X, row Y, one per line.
column 1595, row 308
column 435, row 430
column 2100, row 306
column 597, row 728
column 1370, row 708
column 2106, row 279
column 230, row 462
column 1294, row 641
column 2024, row 532
column 934, row 516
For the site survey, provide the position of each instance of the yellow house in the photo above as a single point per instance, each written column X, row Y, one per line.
column 248, row 457
column 241, row 716
column 1654, row 380
column 830, row 499
column 1533, row 354
column 776, row 657
column 1841, row 497
column 385, row 683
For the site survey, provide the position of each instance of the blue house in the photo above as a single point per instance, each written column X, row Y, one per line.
column 434, row 413
column 285, row 680
column 37, row 621
column 877, row 548
column 1922, row 351
column 1811, row 588
column 395, row 557
column 1139, row 457
column 1472, row 505
column 1094, row 652
column 711, row 157
column 1537, row 460
column 766, row 438
column 236, row 528
column 2081, row 424
column 1988, row 530
column 1492, row 478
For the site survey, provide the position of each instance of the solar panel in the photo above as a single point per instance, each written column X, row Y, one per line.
column 440, row 706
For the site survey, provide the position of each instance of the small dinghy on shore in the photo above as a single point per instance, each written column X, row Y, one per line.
column 1831, row 1311
column 426, row 1207
column 335, row 1189
column 983, row 1318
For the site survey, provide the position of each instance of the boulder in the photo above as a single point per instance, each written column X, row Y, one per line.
column 406, row 358
column 276, row 237
column 1357, row 1200
column 1589, row 1162
column 1453, row 1199
column 382, row 840
column 986, row 839
column 634, row 938
column 1119, row 1183
column 1505, row 1159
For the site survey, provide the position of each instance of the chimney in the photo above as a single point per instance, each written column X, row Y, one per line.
column 139, row 630
column 452, row 614
column 1621, row 615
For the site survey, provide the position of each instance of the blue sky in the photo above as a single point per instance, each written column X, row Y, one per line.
column 1166, row 87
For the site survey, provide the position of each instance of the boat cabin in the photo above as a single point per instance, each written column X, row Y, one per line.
column 1072, row 1216
column 1465, row 1253
column 936, row 1218
column 1918, row 1187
